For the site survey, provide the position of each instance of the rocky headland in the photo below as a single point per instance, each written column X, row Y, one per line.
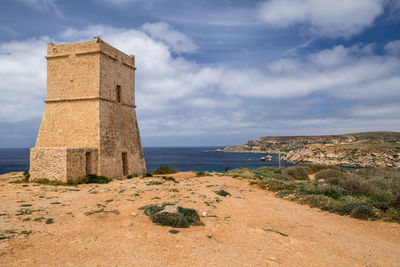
column 368, row 149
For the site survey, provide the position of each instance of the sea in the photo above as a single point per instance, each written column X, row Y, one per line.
column 181, row 158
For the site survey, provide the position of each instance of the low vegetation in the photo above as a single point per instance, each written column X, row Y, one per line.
column 222, row 193
column 169, row 179
column 363, row 194
column 154, row 183
column 164, row 170
column 23, row 180
column 94, row 179
column 182, row 218
column 202, row 174
column 87, row 179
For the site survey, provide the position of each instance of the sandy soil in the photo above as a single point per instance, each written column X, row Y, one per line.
column 100, row 225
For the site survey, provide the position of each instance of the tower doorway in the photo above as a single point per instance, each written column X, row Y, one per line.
column 88, row 162
column 125, row 163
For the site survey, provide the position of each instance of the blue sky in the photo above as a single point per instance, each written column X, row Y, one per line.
column 217, row 72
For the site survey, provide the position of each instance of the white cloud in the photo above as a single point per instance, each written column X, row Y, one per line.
column 23, row 76
column 377, row 111
column 341, row 71
column 8, row 31
column 395, row 3
column 42, row 5
column 323, row 17
column 119, row 2
column 122, row 3
column 177, row 41
column 393, row 47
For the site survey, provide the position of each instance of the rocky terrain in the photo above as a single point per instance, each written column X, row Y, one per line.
column 102, row 225
column 370, row 149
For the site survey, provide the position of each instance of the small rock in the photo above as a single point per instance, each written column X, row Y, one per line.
column 134, row 214
column 260, row 231
column 273, row 258
column 171, row 209
column 204, row 214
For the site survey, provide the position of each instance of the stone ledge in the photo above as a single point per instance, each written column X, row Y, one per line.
column 56, row 56
column 86, row 99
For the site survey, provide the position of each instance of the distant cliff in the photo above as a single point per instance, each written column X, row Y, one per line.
column 369, row 149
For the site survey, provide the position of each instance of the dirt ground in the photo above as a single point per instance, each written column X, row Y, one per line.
column 100, row 225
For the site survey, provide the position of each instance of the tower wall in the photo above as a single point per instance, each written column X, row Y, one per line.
column 71, row 116
column 119, row 131
column 89, row 114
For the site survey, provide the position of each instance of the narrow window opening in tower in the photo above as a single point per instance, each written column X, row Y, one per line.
column 118, row 94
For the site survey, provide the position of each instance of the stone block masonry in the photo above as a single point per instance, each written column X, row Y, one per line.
column 89, row 124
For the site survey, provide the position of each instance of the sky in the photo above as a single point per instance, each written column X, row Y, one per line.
column 217, row 72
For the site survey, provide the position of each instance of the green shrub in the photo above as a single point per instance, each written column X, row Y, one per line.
column 330, row 175
column 154, row 183
column 183, row 218
column 277, row 185
column 88, row 179
column 346, row 209
column 170, row 219
column 241, row 172
column 165, row 170
column 201, row 174
column 297, row 172
column 26, row 176
column 170, row 179
column 148, row 174
column 380, row 173
column 325, row 189
column 307, row 188
column 320, row 201
column 222, row 193
column 363, row 212
column 349, row 182
column 394, row 214
column 314, row 168
column 95, row 179
column 132, row 175
column 190, row 214
column 396, row 201
column 268, row 172
column 153, row 208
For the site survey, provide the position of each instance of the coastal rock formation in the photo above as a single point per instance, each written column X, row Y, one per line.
column 370, row 149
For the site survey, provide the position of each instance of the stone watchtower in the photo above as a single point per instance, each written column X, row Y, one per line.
column 89, row 124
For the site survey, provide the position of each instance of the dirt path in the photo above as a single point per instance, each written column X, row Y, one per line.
column 100, row 225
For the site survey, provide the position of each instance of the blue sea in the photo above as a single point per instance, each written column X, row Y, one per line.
column 182, row 158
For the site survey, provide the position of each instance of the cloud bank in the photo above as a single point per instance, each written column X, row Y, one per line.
column 340, row 89
column 333, row 18
column 42, row 5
